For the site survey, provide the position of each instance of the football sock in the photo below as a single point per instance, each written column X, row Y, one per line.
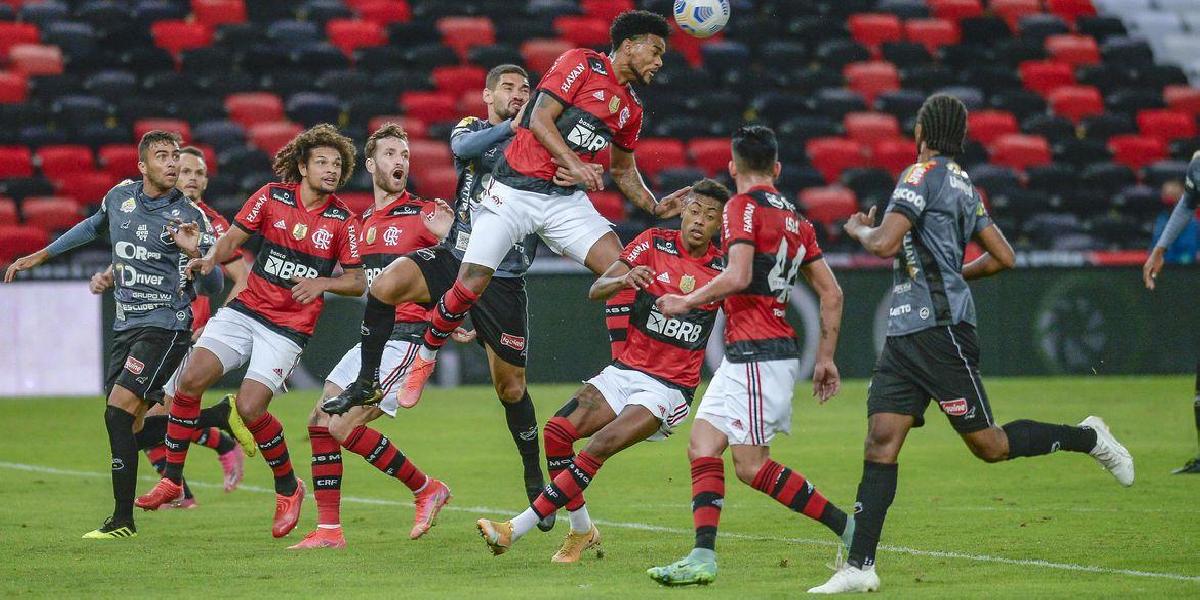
column 875, row 494
column 560, row 436
column 154, row 431
column 1031, row 438
column 225, row 442
column 522, row 424
column 181, row 424
column 326, row 476
column 792, row 490
column 209, row 437
column 378, row 321
column 581, row 521
column 1196, row 414
column 124, row 461
column 158, row 459
column 568, row 484
column 380, row 452
column 214, row 416
column 268, row 434
column 708, row 494
column 449, row 312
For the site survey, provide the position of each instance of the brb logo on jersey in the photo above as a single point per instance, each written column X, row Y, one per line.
column 587, row 137
column 281, row 267
column 672, row 328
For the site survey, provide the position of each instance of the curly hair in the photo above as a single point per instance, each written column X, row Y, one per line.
column 290, row 157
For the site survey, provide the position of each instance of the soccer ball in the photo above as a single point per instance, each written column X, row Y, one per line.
column 701, row 18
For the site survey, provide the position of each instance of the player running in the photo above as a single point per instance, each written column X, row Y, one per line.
column 397, row 223
column 931, row 352
column 583, row 105
column 767, row 244
column 1180, row 217
column 306, row 230
column 646, row 392
column 153, row 300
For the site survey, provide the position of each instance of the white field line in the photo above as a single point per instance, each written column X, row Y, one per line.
column 485, row 510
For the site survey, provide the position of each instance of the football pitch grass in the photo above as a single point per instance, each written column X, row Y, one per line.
column 1055, row 526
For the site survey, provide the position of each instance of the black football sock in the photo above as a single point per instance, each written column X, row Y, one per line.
column 875, row 494
column 225, row 444
column 1032, row 438
column 378, row 321
column 1196, row 413
column 522, row 424
column 124, row 461
column 187, row 491
column 154, row 431
column 216, row 415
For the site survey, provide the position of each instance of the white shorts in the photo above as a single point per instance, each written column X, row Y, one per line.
column 397, row 356
column 173, row 383
column 569, row 225
column 627, row 387
column 751, row 402
column 237, row 338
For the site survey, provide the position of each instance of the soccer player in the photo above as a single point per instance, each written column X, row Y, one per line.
column 583, row 105
column 647, row 390
column 397, row 223
column 931, row 352
column 1180, row 217
column 767, row 245
column 306, row 230
column 153, row 300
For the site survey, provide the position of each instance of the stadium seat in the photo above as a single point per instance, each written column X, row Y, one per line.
column 15, row 161
column 1020, row 151
column 8, row 211
column 872, row 78
column 119, row 160
column 12, row 34
column 658, row 154
column 430, row 154
column 1073, row 49
column 1137, row 151
column 430, row 107
column 1076, row 101
column 214, row 13
column 311, row 108
column 458, row 80
column 249, row 108
column 57, row 162
column 463, row 33
column 384, row 12
column 19, row 240
column 351, row 34
column 1183, row 98
column 984, row 126
column 831, row 156
column 828, row 205
column 539, row 54
column 86, row 188
column 874, row 29
column 1166, row 124
column 1071, row 10
column 14, row 87
column 1012, row 10
column 956, row 10
column 894, row 155
column 606, row 10
column 270, row 137
column 580, row 31
column 1043, row 76
column 141, row 126
column 51, row 214
column 435, row 182
column 932, row 33
column 712, row 155
column 36, row 59
column 175, row 36
column 610, row 205
column 870, row 127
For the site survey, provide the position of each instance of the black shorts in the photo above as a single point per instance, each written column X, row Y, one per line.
column 144, row 358
column 940, row 364
column 500, row 317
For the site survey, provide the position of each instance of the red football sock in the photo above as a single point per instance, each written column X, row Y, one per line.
column 268, row 434
column 181, row 425
column 208, row 437
column 448, row 314
column 379, row 451
column 559, row 436
column 708, row 493
column 326, row 475
column 568, row 484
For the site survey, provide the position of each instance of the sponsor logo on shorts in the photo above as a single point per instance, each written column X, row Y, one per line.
column 117, row 464
column 134, row 365
column 737, row 424
column 924, row 313
column 277, row 372
column 954, row 408
column 512, row 341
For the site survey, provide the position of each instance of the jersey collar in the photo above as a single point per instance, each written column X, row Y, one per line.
column 763, row 188
column 401, row 200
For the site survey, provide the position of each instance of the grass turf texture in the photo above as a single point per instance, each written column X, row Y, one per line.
column 1062, row 508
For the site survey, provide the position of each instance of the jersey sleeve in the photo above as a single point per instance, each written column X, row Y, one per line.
column 348, row 245
column 812, row 249
column 250, row 218
column 908, row 198
column 982, row 219
column 1191, row 184
column 637, row 253
column 739, row 222
column 566, row 76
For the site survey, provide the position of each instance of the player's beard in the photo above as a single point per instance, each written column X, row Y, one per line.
column 384, row 180
column 508, row 111
column 163, row 182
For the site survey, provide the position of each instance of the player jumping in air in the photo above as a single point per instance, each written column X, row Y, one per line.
column 931, row 352
column 1180, row 217
column 306, row 231
column 647, row 390
column 153, row 295
column 767, row 245
column 397, row 223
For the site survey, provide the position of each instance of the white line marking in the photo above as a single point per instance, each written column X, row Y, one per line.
column 1044, row 564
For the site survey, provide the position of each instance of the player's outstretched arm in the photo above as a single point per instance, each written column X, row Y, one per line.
column 618, row 277
column 1181, row 216
column 883, row 241
column 997, row 256
column 629, row 180
column 470, row 145
column 739, row 266
column 83, row 232
column 546, row 111
column 826, row 380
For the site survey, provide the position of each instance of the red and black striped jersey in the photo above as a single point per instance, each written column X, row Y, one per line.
column 670, row 349
column 757, row 327
column 202, row 306
column 391, row 232
column 296, row 242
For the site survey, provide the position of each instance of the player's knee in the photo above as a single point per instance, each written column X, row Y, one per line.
column 340, row 428
column 746, row 470
column 475, row 277
column 251, row 411
column 510, row 390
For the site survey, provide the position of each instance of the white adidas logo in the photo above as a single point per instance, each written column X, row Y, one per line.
column 281, row 224
column 664, row 277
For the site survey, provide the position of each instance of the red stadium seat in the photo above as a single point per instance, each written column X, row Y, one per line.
column 984, row 126
column 8, row 211
column 57, row 162
column 1073, row 49
column 51, row 214
column 956, row 10
column 86, row 188
column 430, row 107
column 471, row 103
column 430, row 154
column 689, row 45
column 270, row 137
column 415, row 128
column 1012, row 10
column 213, row 13
column 36, row 59
column 1020, row 151
column 14, row 87
column 249, row 108
column 874, row 29
column 1183, row 98
column 120, row 160
column 19, row 240
column 349, row 35
column 1136, row 151
column 13, row 33
column 210, row 157
column 1043, row 76
column 871, row 127
column 872, row 78
column 828, row 205
column 585, row 32
column 1166, row 124
column 15, row 161
column 655, row 155
column 437, row 182
column 464, row 33
column 458, row 79
column 712, row 155
column 539, row 54
column 141, row 126
column 606, row 10
column 383, row 12
column 894, row 155
column 175, row 36
column 831, row 156
column 1070, row 10
column 610, row 205
column 1076, row 101
column 932, row 33
column 357, row 201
